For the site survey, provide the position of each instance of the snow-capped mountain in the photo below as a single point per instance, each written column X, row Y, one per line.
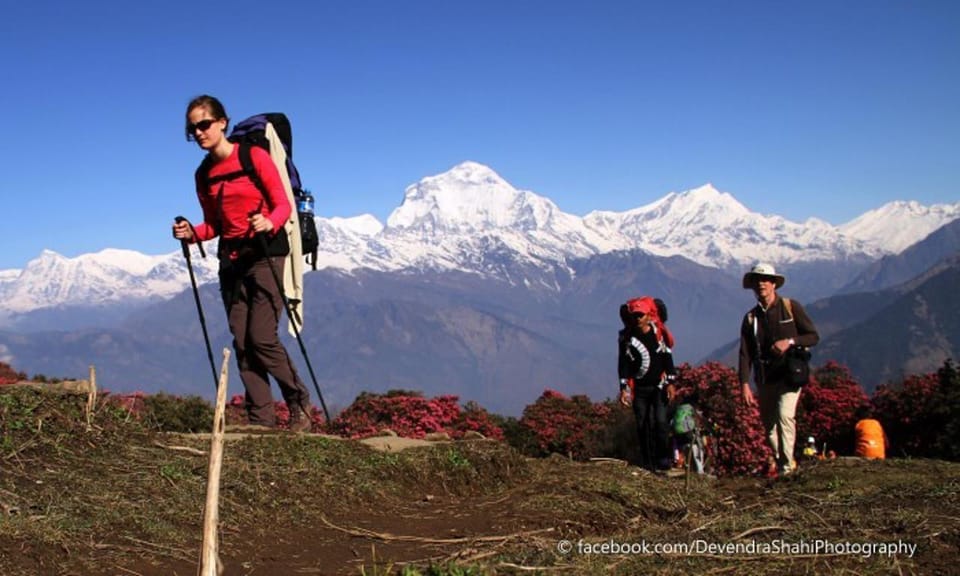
column 712, row 228
column 92, row 279
column 451, row 220
column 898, row 225
column 471, row 219
column 446, row 220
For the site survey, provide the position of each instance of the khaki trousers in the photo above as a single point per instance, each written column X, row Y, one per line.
column 778, row 409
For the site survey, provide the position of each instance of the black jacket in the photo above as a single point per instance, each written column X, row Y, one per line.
column 772, row 324
column 644, row 357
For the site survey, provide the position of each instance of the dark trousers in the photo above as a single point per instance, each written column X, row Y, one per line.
column 254, row 304
column 653, row 427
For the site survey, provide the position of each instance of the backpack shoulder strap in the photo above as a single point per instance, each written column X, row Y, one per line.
column 202, row 174
column 788, row 305
column 754, row 329
column 249, row 170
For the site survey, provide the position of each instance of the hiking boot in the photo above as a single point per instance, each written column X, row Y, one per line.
column 772, row 470
column 301, row 418
column 787, row 470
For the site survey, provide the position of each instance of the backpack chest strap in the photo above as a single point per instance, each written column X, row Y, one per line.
column 211, row 180
column 246, row 169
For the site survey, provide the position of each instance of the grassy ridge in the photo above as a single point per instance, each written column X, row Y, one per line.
column 121, row 498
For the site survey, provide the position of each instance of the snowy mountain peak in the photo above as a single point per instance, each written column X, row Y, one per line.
column 698, row 204
column 126, row 260
column 468, row 198
column 700, row 208
column 469, row 172
column 47, row 254
column 714, row 229
column 706, row 192
column 110, row 275
column 362, row 225
column 900, row 224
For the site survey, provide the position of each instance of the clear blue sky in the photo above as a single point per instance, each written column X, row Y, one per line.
column 816, row 108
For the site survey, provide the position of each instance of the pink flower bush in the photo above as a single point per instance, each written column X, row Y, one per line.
column 905, row 411
column 739, row 446
column 921, row 416
column 474, row 418
column 828, row 406
column 132, row 403
column 8, row 375
column 411, row 415
column 568, row 426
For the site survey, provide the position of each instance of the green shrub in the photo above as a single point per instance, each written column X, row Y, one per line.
column 178, row 414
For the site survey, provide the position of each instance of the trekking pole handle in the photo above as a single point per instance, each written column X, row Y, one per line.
column 183, row 242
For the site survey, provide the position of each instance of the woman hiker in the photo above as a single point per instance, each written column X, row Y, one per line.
column 237, row 211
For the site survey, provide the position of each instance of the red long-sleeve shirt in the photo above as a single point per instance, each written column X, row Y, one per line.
column 241, row 198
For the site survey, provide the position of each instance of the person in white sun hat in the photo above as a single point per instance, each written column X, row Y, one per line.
column 769, row 330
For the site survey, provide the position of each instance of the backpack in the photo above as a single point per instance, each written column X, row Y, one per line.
column 661, row 309
column 684, row 419
column 253, row 132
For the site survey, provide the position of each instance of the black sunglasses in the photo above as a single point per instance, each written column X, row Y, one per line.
column 202, row 125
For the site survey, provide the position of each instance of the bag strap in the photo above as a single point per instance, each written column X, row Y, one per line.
column 761, row 372
column 248, row 169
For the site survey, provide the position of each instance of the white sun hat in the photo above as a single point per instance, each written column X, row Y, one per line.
column 762, row 270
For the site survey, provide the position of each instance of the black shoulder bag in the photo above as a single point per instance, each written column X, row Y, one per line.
column 798, row 366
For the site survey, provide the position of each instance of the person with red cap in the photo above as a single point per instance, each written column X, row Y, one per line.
column 646, row 371
column 768, row 331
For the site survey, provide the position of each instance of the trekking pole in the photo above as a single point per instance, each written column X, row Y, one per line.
column 196, row 296
column 291, row 311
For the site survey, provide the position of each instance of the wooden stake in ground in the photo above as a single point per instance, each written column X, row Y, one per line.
column 91, row 398
column 209, row 557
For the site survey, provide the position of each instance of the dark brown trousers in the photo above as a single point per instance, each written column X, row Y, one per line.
column 254, row 307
